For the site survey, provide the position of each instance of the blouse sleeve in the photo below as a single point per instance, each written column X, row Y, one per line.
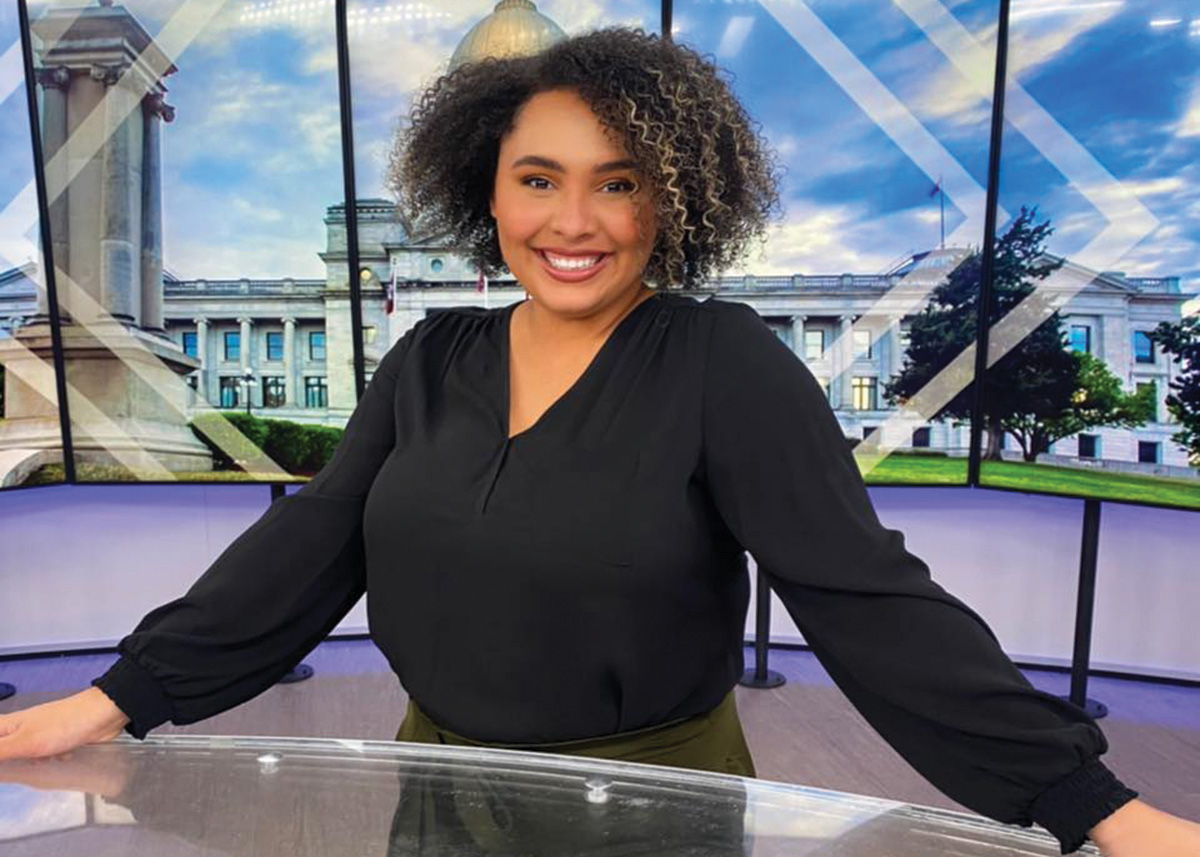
column 924, row 669
column 272, row 595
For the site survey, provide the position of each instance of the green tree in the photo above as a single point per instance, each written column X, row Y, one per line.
column 1182, row 340
column 1098, row 400
column 1033, row 382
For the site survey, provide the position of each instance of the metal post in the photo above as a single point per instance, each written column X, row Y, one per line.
column 760, row 676
column 1084, row 609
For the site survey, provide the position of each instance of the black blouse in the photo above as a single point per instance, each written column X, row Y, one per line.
column 588, row 576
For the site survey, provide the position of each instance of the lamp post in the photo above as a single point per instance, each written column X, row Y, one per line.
column 248, row 382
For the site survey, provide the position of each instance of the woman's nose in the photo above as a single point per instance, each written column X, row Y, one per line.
column 573, row 214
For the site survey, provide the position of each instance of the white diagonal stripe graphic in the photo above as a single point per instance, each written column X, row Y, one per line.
column 39, row 376
column 1129, row 221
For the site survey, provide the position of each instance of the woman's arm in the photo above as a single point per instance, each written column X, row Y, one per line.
column 272, row 594
column 921, row 666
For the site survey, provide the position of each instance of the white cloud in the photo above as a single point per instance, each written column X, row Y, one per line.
column 1189, row 123
column 832, row 239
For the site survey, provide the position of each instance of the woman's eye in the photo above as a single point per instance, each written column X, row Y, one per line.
column 536, row 182
column 621, row 185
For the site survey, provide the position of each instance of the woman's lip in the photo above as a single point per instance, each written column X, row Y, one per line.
column 573, row 276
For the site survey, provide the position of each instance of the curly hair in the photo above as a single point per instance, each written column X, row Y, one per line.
column 714, row 178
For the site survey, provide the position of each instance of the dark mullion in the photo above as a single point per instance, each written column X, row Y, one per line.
column 988, row 268
column 48, row 270
column 351, row 196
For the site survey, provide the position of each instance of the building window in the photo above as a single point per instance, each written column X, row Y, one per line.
column 316, row 394
column 1087, row 446
column 814, row 346
column 920, row 438
column 231, row 386
column 862, row 343
column 1143, row 347
column 864, row 393
column 273, row 391
column 436, row 266
column 189, row 343
column 233, row 345
column 1148, row 451
column 316, row 345
column 1081, row 338
column 274, row 344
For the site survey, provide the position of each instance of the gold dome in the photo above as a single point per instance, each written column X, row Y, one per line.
column 515, row 28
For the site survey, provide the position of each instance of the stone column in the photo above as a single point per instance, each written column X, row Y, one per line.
column 202, row 385
column 244, row 340
column 245, row 346
column 798, row 335
column 290, row 397
column 842, row 357
column 120, row 265
column 155, row 112
column 54, row 82
column 887, row 352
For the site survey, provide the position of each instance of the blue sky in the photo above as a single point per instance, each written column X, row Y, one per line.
column 253, row 157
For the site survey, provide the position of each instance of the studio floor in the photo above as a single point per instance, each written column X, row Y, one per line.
column 803, row 732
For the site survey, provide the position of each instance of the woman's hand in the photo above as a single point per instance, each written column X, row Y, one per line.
column 1139, row 830
column 88, row 717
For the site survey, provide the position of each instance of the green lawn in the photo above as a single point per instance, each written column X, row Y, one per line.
column 919, row 470
column 896, row 469
column 53, row 474
column 1093, row 483
column 900, row 468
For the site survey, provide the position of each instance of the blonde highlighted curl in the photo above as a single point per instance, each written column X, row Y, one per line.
column 715, row 179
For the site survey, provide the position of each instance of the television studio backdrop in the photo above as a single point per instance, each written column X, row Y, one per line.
column 989, row 257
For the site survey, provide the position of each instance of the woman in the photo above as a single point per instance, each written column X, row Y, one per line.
column 550, row 502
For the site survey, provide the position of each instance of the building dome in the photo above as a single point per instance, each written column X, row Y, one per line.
column 515, row 28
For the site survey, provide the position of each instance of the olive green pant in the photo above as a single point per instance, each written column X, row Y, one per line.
column 460, row 811
column 713, row 741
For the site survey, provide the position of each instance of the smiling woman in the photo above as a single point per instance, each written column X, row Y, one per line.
column 677, row 146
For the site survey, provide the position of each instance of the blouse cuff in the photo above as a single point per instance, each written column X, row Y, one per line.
column 1078, row 802
column 137, row 694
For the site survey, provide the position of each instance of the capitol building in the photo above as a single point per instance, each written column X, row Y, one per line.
column 282, row 348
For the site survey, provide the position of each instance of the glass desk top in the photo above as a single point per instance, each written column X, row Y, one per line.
column 191, row 795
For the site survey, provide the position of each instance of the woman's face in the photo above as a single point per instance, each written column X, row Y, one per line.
column 565, row 211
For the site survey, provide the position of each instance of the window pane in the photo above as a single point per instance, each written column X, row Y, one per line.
column 1143, row 346
column 275, row 345
column 189, row 212
column 316, row 345
column 31, row 443
column 814, row 344
column 1096, row 210
column 410, row 276
column 884, row 142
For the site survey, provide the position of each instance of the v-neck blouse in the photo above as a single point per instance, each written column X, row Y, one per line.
column 588, row 576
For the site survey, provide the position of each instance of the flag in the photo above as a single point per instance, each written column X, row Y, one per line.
column 391, row 294
column 481, row 285
column 936, row 188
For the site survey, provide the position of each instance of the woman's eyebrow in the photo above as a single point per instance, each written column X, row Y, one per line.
column 551, row 164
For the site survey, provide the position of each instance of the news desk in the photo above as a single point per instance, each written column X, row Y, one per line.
column 193, row 796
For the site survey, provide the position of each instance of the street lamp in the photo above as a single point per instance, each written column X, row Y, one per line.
column 247, row 381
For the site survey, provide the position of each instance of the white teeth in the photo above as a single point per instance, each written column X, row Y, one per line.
column 568, row 263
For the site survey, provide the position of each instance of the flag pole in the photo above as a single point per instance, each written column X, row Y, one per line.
column 942, row 205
